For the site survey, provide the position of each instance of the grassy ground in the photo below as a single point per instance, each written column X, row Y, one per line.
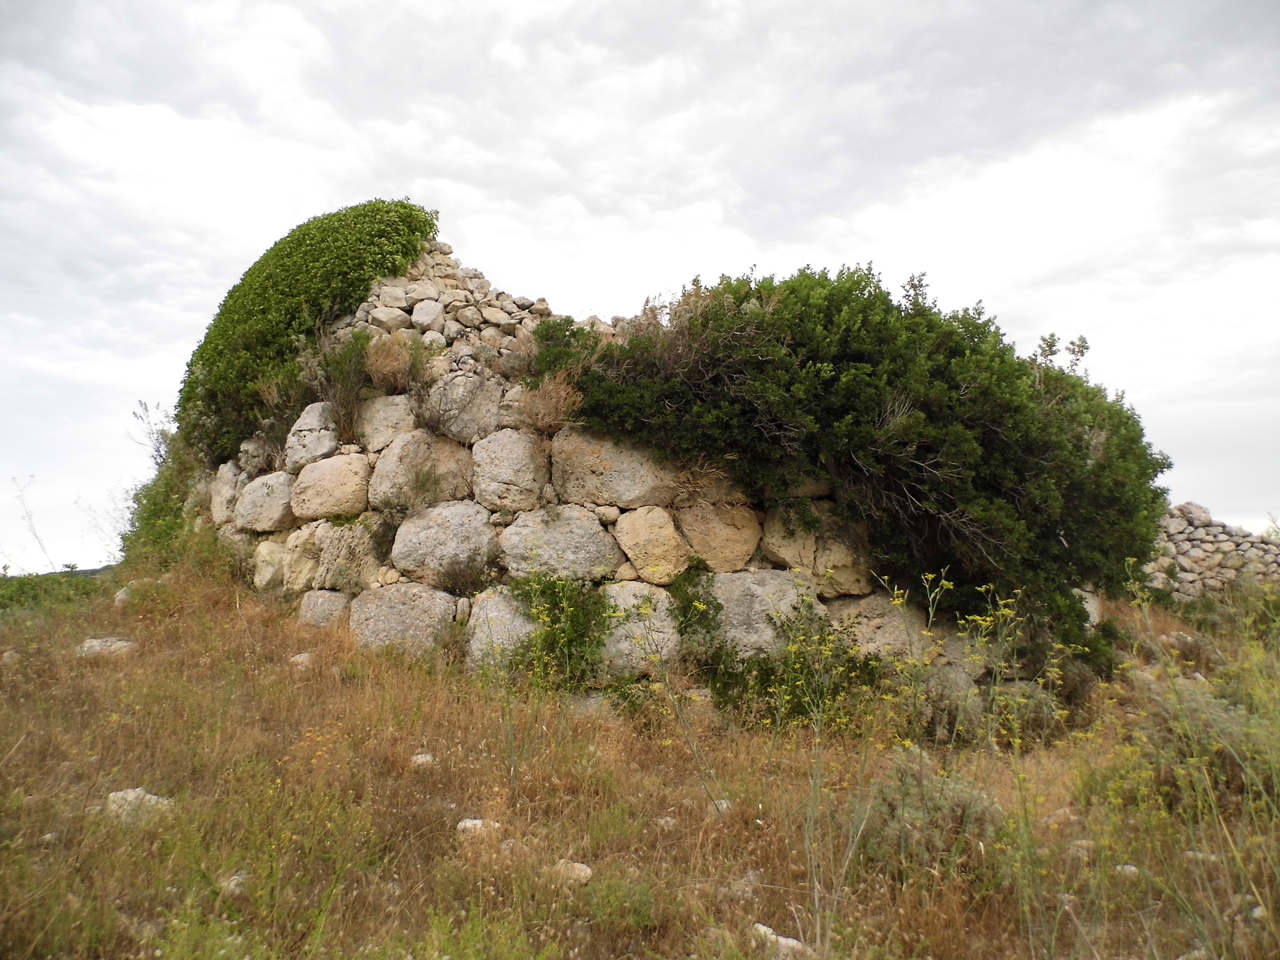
column 300, row 825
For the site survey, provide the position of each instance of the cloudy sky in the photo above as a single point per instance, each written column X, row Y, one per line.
column 1111, row 169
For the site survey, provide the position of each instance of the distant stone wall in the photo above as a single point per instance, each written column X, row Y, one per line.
column 1198, row 556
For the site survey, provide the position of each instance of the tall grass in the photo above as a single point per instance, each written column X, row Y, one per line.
column 302, row 827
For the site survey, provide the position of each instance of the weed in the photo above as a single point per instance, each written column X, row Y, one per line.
column 566, row 650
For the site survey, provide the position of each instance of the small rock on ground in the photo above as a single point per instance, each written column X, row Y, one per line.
column 136, row 805
column 96, row 647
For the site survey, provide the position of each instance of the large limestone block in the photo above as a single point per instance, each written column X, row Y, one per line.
column 879, row 627
column 312, row 437
column 323, row 608
column 428, row 315
column 835, row 557
column 337, row 487
column 302, row 559
column 646, row 637
column 419, row 469
column 263, row 505
column 349, row 557
column 465, row 406
column 389, row 319
column 510, row 469
column 499, row 624
column 649, row 538
column 565, row 541
column 226, row 486
column 725, row 535
column 753, row 602
column 382, row 419
column 406, row 615
column 446, row 537
column 590, row 469
column 268, row 567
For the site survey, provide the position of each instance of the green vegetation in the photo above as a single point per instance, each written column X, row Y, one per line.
column 318, row 272
column 961, row 455
column 572, row 619
column 46, row 589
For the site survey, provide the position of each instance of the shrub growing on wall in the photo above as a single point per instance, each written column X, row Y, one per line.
column 961, row 455
column 318, row 272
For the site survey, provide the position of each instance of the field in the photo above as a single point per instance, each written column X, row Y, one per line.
column 1142, row 823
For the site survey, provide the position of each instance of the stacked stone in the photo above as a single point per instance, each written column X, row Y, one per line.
column 1198, row 556
column 481, row 488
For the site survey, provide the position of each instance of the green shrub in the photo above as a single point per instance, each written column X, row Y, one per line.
column 46, row 589
column 566, row 650
column 959, row 453
column 318, row 272
column 159, row 520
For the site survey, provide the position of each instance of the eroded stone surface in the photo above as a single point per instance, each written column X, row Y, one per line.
column 725, row 535
column 465, row 405
column 268, row 567
column 336, row 487
column 498, row 625
column 449, row 535
column 753, row 602
column 510, row 468
column 411, row 616
column 649, row 538
column 646, row 636
column 590, row 469
column 348, row 555
column 562, row 541
column 382, row 419
column 834, row 556
column 323, row 608
column 419, row 469
column 264, row 504
column 313, row 437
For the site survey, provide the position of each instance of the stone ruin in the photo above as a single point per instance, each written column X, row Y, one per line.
column 390, row 533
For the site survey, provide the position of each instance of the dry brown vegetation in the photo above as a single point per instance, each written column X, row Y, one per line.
column 299, row 781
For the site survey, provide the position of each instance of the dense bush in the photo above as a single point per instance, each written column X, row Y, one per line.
column 961, row 455
column 319, row 271
column 46, row 589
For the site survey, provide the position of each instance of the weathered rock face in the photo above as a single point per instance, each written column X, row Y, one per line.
column 313, row 437
column 411, row 616
column 302, row 559
column 418, row 469
column 753, row 602
column 646, row 637
column 349, row 559
column 563, row 541
column 263, row 505
column 382, row 419
column 268, row 567
column 836, row 559
column 590, row 469
column 336, row 487
column 465, row 405
column 497, row 626
column 323, row 608
column 226, row 486
column 648, row 536
column 725, row 535
column 879, row 627
column 446, row 537
column 1198, row 556
column 510, row 470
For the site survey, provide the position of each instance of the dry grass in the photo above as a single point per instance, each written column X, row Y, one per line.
column 393, row 363
column 551, row 405
column 300, row 780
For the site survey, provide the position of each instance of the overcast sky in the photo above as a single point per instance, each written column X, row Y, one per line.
column 1111, row 169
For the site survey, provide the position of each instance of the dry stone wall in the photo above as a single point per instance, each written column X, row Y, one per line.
column 400, row 532
column 453, row 490
column 1198, row 556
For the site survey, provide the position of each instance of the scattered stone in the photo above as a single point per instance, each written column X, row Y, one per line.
column 98, row 647
column 1126, row 870
column 233, row 886
column 420, row 761
column 407, row 615
column 720, row 808
column 666, row 824
column 301, row 661
column 136, row 805
column 783, row 948
column 570, row 873
column 10, row 659
column 477, row 828
column 562, row 541
column 648, row 536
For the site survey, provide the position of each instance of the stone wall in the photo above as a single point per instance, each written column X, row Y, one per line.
column 455, row 488
column 1198, row 556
